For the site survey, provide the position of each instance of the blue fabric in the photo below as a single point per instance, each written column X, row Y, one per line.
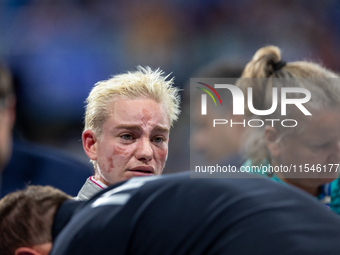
column 39, row 165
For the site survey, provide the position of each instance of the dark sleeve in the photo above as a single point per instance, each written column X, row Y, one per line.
column 41, row 165
column 64, row 214
column 179, row 215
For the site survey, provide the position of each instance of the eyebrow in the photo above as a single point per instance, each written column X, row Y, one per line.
column 161, row 129
column 137, row 127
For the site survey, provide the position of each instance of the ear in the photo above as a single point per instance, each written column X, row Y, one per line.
column 271, row 138
column 38, row 249
column 26, row 251
column 89, row 144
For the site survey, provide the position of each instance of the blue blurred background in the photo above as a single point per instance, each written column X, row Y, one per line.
column 58, row 49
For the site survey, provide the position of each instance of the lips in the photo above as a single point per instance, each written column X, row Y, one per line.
column 142, row 170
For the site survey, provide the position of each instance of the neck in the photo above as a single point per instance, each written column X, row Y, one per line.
column 98, row 177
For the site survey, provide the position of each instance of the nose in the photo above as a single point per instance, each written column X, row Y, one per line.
column 144, row 151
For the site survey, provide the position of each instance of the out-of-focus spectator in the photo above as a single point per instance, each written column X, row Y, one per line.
column 22, row 163
column 305, row 154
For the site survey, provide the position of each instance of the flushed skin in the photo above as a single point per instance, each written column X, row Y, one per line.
column 133, row 142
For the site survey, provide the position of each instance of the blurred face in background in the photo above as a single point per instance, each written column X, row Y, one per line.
column 316, row 147
column 218, row 143
column 7, row 118
column 133, row 142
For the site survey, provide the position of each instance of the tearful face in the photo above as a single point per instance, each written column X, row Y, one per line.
column 134, row 140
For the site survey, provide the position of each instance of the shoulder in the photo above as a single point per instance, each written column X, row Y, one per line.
column 335, row 195
column 42, row 165
column 177, row 206
column 47, row 157
column 89, row 189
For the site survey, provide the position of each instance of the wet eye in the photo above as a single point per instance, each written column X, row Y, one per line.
column 158, row 139
column 127, row 137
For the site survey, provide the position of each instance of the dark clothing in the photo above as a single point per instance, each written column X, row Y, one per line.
column 177, row 215
column 41, row 165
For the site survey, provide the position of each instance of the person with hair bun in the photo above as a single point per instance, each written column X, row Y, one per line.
column 306, row 154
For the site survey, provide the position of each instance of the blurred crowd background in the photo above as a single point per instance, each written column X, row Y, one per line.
column 58, row 49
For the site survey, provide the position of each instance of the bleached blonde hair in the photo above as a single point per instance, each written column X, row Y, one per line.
column 143, row 83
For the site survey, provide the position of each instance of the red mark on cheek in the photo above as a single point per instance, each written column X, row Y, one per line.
column 146, row 118
column 110, row 166
column 119, row 151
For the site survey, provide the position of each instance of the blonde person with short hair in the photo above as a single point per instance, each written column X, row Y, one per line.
column 306, row 155
column 127, row 124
